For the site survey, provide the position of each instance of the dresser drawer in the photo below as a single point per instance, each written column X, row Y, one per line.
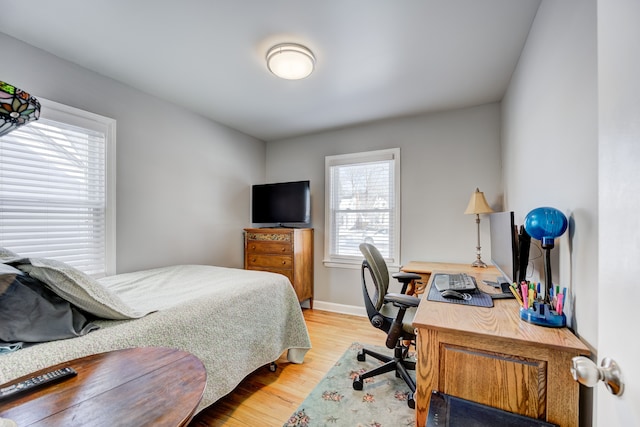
column 269, row 261
column 288, row 273
column 268, row 247
column 286, row 251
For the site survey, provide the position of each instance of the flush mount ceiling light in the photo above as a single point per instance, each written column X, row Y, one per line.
column 290, row 61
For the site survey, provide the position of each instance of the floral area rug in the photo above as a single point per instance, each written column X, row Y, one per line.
column 381, row 403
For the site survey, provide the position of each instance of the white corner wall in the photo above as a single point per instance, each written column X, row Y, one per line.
column 183, row 182
column 550, row 151
column 443, row 158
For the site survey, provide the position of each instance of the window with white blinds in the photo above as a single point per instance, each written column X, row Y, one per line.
column 56, row 195
column 362, row 204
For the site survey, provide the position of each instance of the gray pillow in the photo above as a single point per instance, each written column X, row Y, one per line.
column 31, row 313
column 79, row 289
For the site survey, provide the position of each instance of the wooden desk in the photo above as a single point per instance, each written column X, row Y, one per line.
column 490, row 356
column 147, row 386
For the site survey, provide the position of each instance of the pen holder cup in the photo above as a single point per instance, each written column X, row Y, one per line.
column 542, row 314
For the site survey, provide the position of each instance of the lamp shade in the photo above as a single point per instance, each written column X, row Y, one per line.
column 478, row 204
column 290, row 61
column 17, row 108
column 545, row 224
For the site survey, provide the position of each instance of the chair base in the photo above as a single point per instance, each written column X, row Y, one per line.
column 397, row 363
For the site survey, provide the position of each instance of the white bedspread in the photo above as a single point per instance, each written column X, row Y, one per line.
column 234, row 320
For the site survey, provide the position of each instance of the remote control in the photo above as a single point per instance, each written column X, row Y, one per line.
column 37, row 382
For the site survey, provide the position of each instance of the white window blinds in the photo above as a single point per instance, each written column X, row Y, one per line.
column 53, row 191
column 362, row 205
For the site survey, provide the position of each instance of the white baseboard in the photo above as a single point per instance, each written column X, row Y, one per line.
column 340, row 308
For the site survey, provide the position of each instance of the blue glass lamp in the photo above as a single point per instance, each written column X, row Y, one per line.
column 545, row 224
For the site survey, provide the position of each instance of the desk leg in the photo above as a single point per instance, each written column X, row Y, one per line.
column 563, row 398
column 426, row 372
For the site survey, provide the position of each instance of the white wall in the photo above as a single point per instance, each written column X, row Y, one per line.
column 183, row 182
column 550, row 153
column 550, row 150
column 443, row 157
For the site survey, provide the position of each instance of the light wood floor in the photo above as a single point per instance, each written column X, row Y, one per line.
column 267, row 398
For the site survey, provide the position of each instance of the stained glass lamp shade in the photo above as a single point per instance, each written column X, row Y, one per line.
column 17, row 108
column 545, row 224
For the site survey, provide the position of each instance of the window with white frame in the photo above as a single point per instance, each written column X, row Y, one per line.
column 362, row 204
column 57, row 189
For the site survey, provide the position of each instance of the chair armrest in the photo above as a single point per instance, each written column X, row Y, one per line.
column 402, row 300
column 403, row 276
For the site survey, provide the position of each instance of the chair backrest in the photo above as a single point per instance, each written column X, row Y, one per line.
column 379, row 273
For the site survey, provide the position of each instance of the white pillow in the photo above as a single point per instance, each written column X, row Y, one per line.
column 79, row 289
column 7, row 256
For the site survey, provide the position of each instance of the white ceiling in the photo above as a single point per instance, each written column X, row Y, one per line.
column 375, row 58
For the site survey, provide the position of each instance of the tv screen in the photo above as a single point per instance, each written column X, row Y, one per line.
column 504, row 249
column 281, row 203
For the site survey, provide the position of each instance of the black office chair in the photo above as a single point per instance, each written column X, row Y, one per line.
column 391, row 312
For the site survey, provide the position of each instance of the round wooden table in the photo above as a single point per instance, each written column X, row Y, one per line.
column 147, row 386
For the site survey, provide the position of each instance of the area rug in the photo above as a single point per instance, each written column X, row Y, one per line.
column 334, row 402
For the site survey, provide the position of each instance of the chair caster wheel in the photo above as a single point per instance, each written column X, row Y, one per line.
column 357, row 383
column 273, row 366
column 411, row 401
column 361, row 356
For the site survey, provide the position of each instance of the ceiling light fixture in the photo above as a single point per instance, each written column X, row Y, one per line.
column 290, row 61
column 17, row 108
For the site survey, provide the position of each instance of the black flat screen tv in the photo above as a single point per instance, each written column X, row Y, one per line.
column 281, row 203
column 504, row 248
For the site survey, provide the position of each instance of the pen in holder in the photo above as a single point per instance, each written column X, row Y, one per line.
column 542, row 314
column 534, row 309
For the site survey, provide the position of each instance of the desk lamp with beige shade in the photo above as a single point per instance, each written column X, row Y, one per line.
column 478, row 205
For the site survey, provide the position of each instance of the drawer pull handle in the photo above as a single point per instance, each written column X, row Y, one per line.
column 253, row 260
column 284, row 262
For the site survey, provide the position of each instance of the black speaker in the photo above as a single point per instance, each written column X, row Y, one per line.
column 524, row 242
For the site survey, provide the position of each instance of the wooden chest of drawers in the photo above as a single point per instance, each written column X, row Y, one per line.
column 288, row 251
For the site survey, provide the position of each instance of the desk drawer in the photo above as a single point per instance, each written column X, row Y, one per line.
column 269, row 261
column 267, row 247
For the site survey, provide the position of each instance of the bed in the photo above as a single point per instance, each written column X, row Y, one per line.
column 234, row 320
